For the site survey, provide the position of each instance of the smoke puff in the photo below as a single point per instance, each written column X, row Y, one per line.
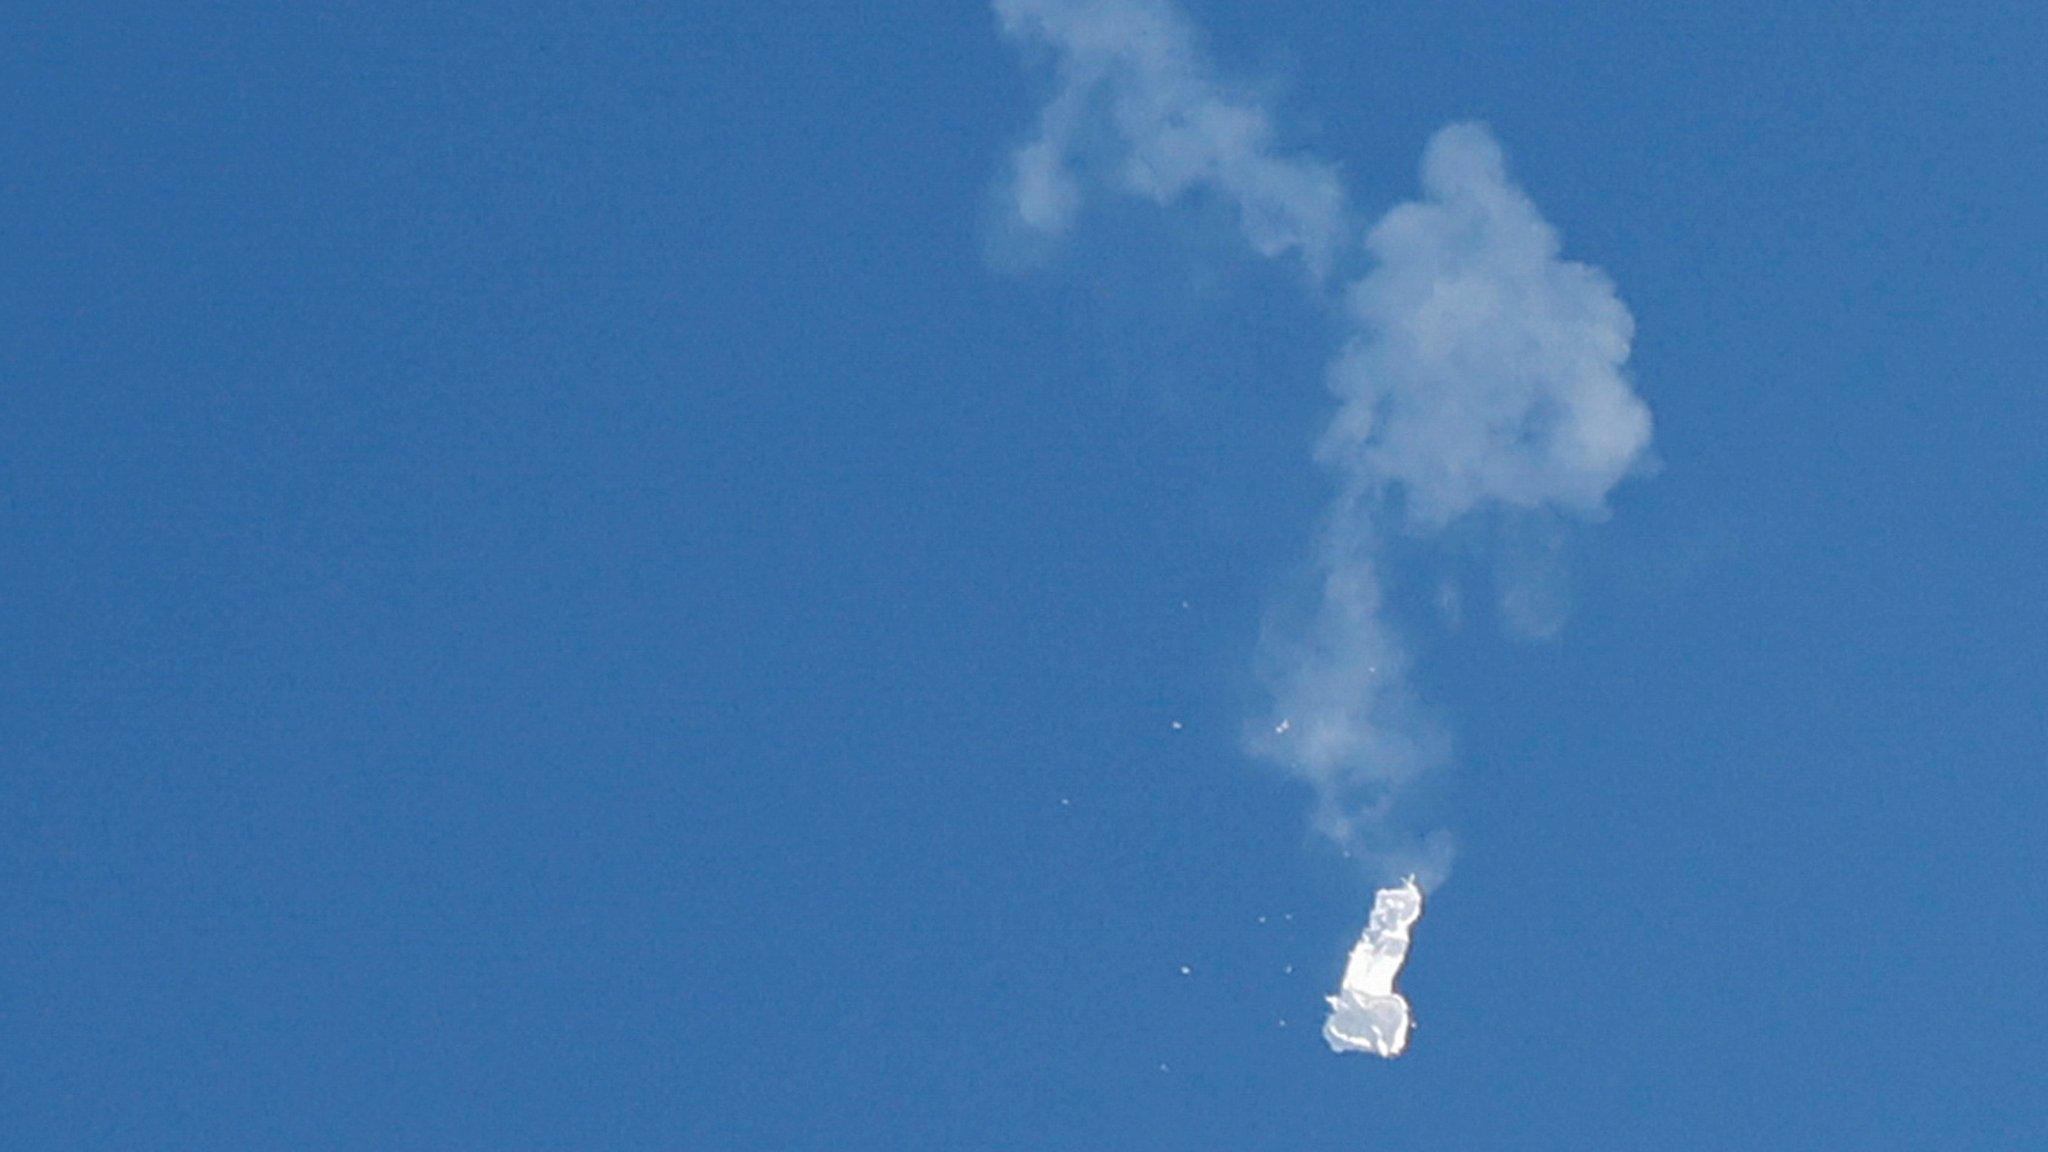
column 1479, row 373
column 1486, row 368
column 1135, row 106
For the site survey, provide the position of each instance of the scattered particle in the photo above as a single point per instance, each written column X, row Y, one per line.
column 1262, row 919
column 1281, row 728
column 1186, row 971
column 1066, row 803
column 1176, row 725
column 1290, row 969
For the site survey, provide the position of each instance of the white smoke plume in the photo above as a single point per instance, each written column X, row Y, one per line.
column 1480, row 377
column 1136, row 108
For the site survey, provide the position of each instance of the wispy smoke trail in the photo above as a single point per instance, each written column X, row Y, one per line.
column 1481, row 374
column 1135, row 108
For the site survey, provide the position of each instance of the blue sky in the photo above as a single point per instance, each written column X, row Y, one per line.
column 552, row 595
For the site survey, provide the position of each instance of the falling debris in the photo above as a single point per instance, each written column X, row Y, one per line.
column 1367, row 1014
column 1281, row 728
column 1176, row 725
column 1186, row 971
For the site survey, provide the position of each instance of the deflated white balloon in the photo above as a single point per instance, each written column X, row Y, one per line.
column 1367, row 1014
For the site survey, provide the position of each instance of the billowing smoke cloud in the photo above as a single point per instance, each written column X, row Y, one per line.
column 1482, row 374
column 1480, row 378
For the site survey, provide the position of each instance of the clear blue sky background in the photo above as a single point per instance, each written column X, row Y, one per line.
column 550, row 597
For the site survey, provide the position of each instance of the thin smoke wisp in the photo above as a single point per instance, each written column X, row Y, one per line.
column 1135, row 108
column 1480, row 375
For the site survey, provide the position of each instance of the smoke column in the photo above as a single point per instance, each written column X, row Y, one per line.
column 1480, row 376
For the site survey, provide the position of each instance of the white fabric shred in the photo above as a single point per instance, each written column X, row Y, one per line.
column 1367, row 1014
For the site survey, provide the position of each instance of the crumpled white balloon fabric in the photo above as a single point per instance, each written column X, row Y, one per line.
column 1367, row 1014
